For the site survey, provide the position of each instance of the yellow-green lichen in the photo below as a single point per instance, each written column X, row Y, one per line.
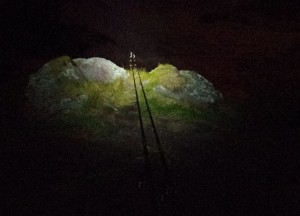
column 56, row 65
column 167, row 76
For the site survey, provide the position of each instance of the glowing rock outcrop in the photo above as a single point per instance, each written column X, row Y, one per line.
column 53, row 87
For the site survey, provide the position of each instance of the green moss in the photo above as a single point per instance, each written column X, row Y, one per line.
column 166, row 108
column 168, row 76
column 107, row 102
column 114, row 95
column 58, row 64
column 162, row 107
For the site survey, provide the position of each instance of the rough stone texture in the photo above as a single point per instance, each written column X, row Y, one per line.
column 100, row 69
column 196, row 91
column 166, row 92
column 47, row 88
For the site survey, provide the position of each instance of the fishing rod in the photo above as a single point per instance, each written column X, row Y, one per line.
column 144, row 142
column 132, row 64
column 159, row 147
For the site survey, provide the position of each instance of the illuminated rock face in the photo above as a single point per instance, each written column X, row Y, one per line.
column 197, row 90
column 53, row 87
column 64, row 84
column 100, row 70
column 46, row 88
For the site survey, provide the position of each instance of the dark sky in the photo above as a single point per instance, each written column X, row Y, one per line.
column 248, row 48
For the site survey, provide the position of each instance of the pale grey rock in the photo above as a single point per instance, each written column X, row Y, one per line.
column 46, row 89
column 100, row 69
column 198, row 90
column 166, row 92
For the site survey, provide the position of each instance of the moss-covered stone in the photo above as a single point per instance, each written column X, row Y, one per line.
column 57, row 65
column 198, row 90
column 171, row 94
column 168, row 76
